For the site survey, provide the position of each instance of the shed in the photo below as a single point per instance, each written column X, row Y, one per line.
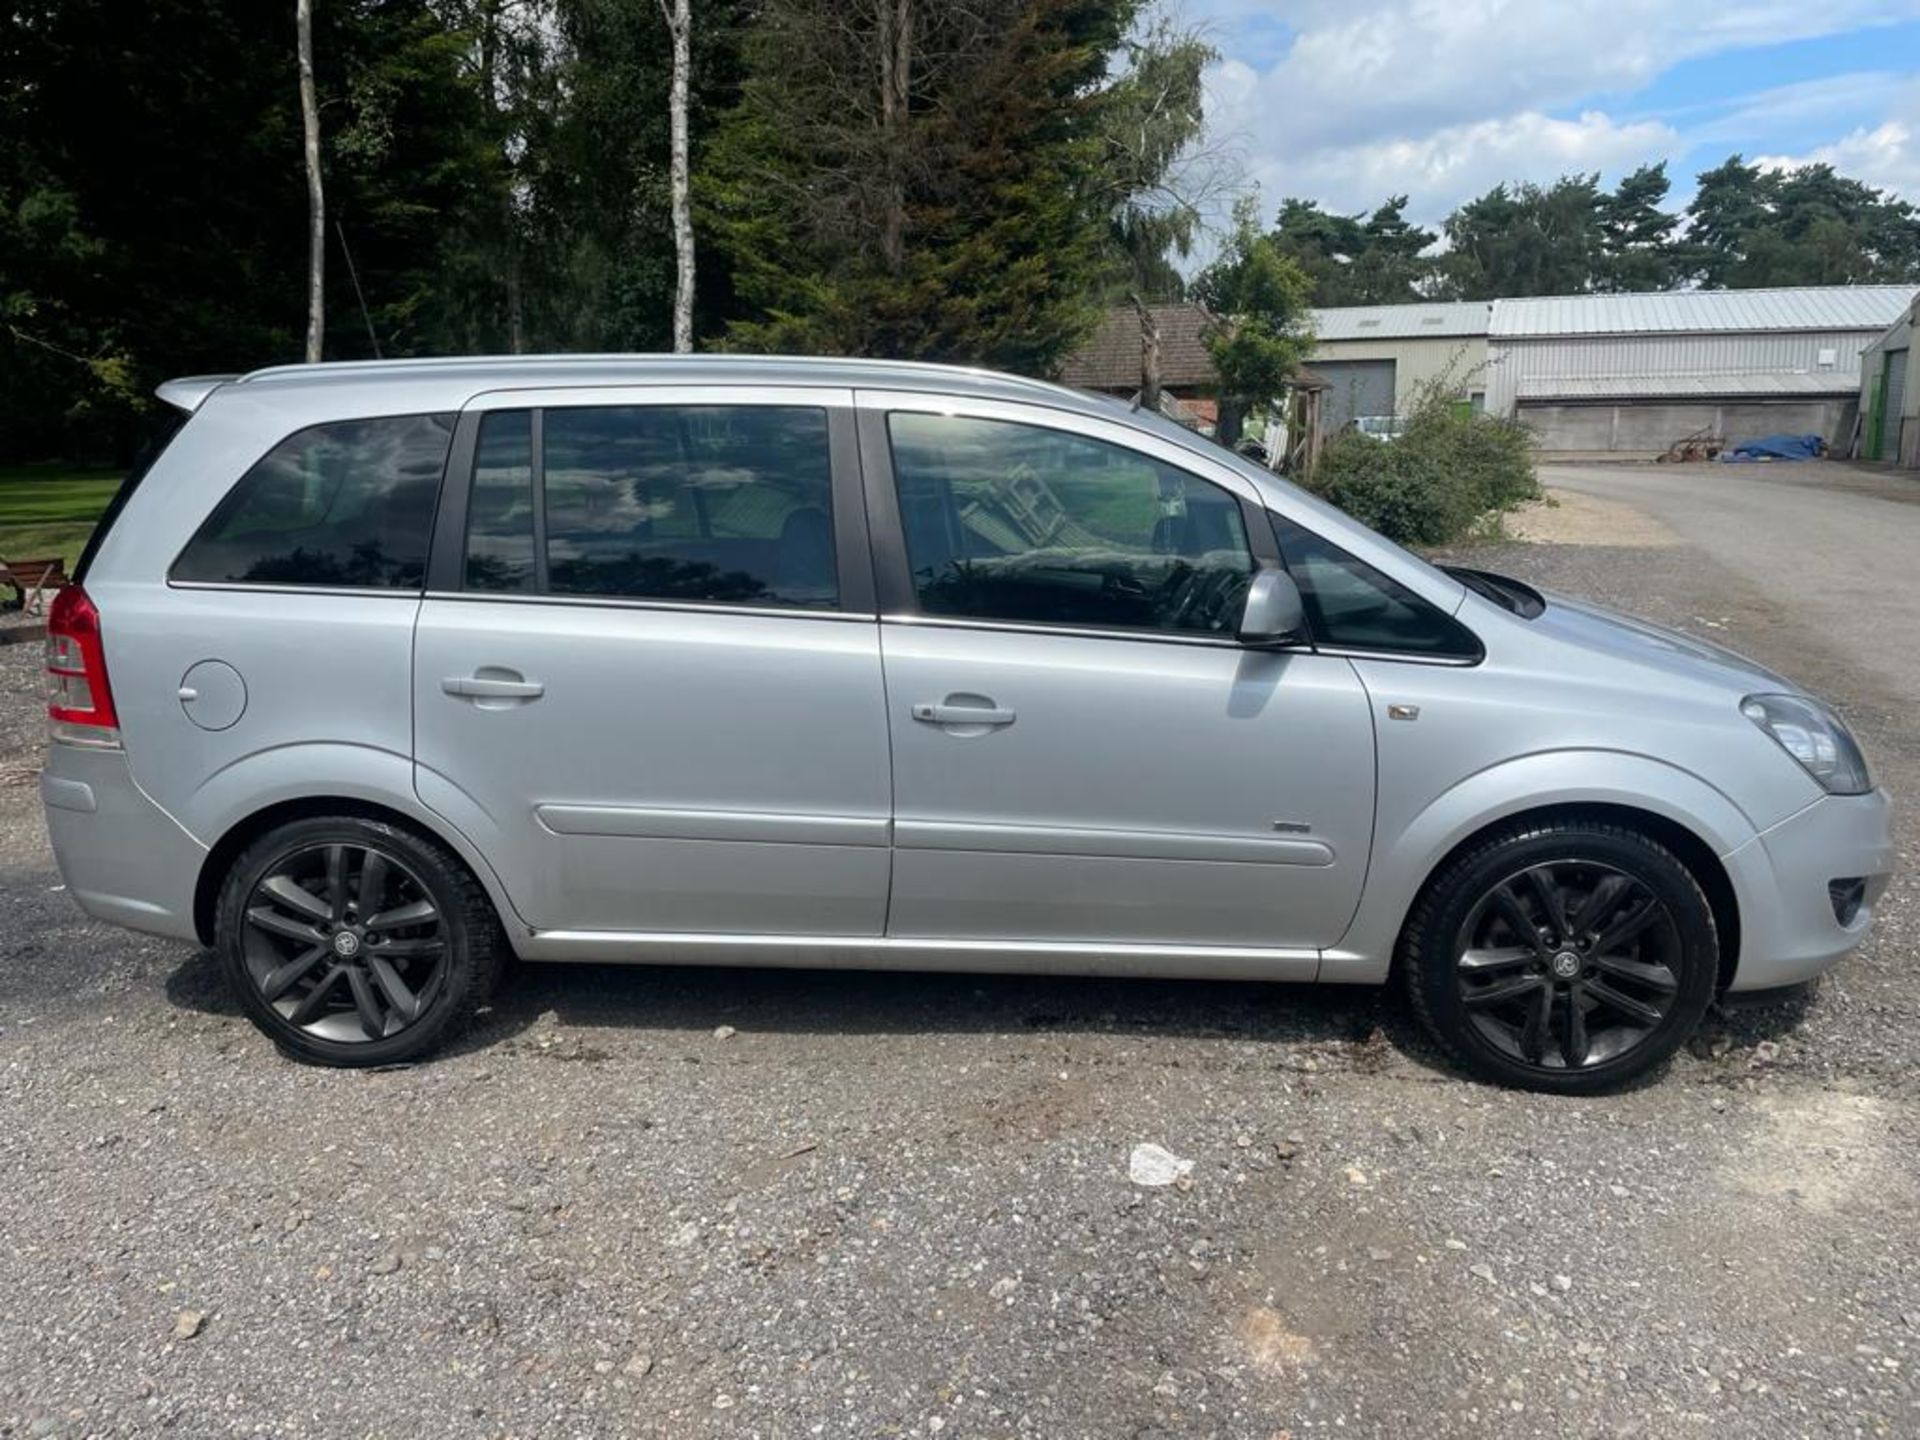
column 1375, row 358
column 1890, row 396
column 1632, row 374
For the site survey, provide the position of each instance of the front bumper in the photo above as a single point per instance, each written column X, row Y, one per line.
column 124, row 858
column 1788, row 929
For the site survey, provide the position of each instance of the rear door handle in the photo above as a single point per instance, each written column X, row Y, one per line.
column 961, row 714
column 488, row 687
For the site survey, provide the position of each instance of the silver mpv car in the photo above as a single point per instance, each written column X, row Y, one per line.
column 384, row 672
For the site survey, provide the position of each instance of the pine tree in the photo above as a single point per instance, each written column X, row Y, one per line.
column 904, row 178
column 1636, row 234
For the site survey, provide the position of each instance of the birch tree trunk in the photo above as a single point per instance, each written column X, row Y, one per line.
column 680, row 26
column 896, row 79
column 316, row 199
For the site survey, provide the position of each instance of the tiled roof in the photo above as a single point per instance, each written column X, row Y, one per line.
column 1111, row 359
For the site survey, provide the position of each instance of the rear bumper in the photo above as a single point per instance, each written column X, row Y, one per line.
column 1788, row 929
column 123, row 857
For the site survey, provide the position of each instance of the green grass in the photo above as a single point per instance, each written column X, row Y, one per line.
column 51, row 509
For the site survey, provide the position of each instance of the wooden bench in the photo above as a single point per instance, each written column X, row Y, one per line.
column 34, row 580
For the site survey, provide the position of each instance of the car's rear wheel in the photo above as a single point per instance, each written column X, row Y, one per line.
column 1565, row 955
column 353, row 942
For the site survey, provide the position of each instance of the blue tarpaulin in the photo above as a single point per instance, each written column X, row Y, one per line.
column 1777, row 447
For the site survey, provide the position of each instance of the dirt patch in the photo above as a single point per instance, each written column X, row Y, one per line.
column 1269, row 1343
column 1825, row 1151
column 1567, row 517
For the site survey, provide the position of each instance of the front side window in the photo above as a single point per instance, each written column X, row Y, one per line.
column 1005, row 521
column 717, row 503
column 1352, row 606
column 347, row 504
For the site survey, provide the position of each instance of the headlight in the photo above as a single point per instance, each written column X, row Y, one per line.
column 1815, row 738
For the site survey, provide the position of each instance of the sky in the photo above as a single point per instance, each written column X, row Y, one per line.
column 1350, row 101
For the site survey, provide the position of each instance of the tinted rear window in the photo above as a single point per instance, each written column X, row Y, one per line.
column 347, row 504
column 714, row 503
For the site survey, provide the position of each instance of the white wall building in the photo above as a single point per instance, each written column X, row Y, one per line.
column 1375, row 358
column 1632, row 374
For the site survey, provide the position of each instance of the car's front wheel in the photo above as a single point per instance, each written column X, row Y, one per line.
column 1562, row 955
column 353, row 942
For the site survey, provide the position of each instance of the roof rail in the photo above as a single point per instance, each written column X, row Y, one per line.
column 565, row 361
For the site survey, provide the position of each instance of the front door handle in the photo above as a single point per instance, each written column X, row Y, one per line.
column 950, row 714
column 493, row 687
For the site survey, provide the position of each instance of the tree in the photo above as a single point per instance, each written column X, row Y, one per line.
column 1355, row 260
column 316, row 198
column 1524, row 240
column 1807, row 226
column 1389, row 269
column 680, row 27
column 1323, row 245
column 1152, row 171
column 1636, row 235
column 911, row 179
column 1259, row 335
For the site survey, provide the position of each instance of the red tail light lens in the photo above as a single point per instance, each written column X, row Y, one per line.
column 79, row 700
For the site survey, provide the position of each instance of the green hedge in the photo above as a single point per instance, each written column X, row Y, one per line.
column 1448, row 473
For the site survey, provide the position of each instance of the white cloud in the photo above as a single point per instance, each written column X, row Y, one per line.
column 1886, row 156
column 1381, row 68
column 1441, row 99
column 1447, row 166
column 1812, row 104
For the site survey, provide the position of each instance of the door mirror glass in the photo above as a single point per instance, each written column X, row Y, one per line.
column 1273, row 614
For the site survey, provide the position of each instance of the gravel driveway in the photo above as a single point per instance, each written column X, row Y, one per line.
column 646, row 1202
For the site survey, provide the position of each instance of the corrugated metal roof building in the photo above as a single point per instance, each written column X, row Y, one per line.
column 1632, row 374
column 1375, row 358
column 1890, row 396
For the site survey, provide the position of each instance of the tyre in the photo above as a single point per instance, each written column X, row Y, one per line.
column 352, row 942
column 1570, row 956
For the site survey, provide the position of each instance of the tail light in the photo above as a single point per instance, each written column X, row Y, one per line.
column 79, row 700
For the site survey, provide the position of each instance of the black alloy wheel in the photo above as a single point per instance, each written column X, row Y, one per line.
column 1569, row 954
column 1568, row 964
column 353, row 942
column 345, row 942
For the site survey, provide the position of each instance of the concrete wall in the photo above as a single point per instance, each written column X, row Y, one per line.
column 1416, row 362
column 1649, row 427
column 1514, row 360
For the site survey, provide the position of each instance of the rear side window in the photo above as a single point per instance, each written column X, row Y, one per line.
column 500, row 536
column 1352, row 606
column 729, row 504
column 348, row 504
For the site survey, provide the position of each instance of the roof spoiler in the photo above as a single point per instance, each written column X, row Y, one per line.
column 188, row 391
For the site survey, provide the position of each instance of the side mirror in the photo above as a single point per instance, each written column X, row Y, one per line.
column 1273, row 614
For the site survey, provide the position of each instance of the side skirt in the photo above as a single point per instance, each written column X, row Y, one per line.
column 857, row 952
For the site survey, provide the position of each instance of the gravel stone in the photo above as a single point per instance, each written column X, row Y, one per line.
column 810, row 1226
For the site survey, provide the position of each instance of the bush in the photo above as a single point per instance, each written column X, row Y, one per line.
column 1448, row 472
